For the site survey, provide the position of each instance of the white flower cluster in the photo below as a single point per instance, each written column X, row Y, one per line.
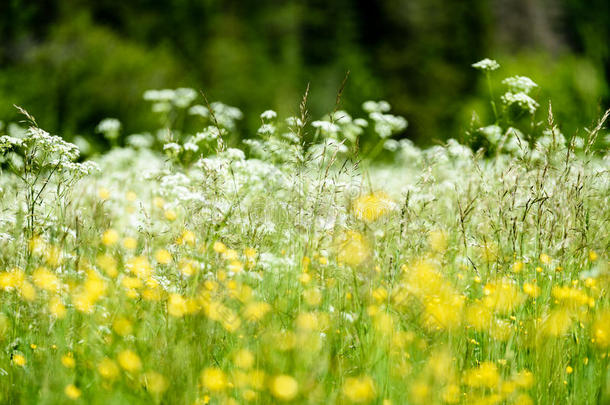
column 164, row 99
column 110, row 127
column 486, row 65
column 518, row 84
column 521, row 100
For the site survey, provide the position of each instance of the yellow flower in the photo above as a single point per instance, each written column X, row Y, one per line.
column 68, row 360
column 593, row 256
column 531, row 289
column 108, row 369
column 57, row 308
column 188, row 237
column 130, row 243
column 170, row 215
column 502, row 296
column 524, row 379
column 284, row 387
column 601, row 330
column 569, row 370
column 162, row 256
column 176, row 305
column 359, row 389
column 370, row 207
column 312, row 297
column 255, row 311
column 352, row 248
column 108, row 264
column 545, row 259
column 219, row 247
column 244, row 359
column 517, row 266
column 129, row 361
column 158, row 202
column 110, row 237
column 438, row 240
column 214, row 379
column 486, row 375
column 72, row 392
column 45, row 279
column 154, row 382
column 19, row 360
column 103, row 193
column 131, row 196
column 122, row 326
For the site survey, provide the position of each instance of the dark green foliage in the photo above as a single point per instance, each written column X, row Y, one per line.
column 74, row 62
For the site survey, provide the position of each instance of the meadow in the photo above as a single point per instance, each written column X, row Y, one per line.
column 304, row 266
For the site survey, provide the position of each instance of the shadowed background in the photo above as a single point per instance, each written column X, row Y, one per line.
column 72, row 63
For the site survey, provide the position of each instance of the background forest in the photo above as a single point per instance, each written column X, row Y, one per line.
column 72, row 63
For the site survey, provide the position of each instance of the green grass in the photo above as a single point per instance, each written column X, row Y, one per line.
column 305, row 272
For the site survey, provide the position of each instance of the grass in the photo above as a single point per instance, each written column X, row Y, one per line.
column 304, row 272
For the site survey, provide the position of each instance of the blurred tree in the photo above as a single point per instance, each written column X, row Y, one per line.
column 74, row 62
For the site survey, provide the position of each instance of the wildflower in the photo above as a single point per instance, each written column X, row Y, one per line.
column 176, row 305
column 284, row 387
column 524, row 379
column 214, row 379
column 437, row 240
column 518, row 84
column 108, row 264
column 359, row 389
column 45, row 279
column 129, row 361
column 531, row 289
column 601, row 330
column 353, row 248
column 255, row 311
column 370, row 207
column 593, row 256
column 103, row 193
column 219, row 247
column 72, row 392
column 486, row 65
column 154, row 382
column 130, row 243
column 67, row 360
column 502, row 296
column 122, row 326
column 569, row 370
column 312, row 297
column 170, row 215
column 57, row 308
column 268, row 115
column 518, row 266
column 19, row 360
column 108, row 369
column 131, row 196
column 110, row 237
column 162, row 256
column 486, row 375
column 244, row 359
column 545, row 259
column 188, row 267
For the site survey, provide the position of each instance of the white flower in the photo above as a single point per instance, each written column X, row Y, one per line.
column 199, row 110
column 269, row 115
column 190, row 146
column 376, row 106
column 266, row 129
column 486, row 65
column 326, row 127
column 110, row 127
column 518, row 84
column 520, row 99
